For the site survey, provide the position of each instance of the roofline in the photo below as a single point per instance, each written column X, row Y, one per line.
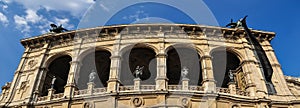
column 270, row 35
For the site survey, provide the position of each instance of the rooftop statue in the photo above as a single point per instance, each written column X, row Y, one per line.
column 238, row 24
column 56, row 29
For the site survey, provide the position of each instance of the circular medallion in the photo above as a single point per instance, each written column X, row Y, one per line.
column 137, row 102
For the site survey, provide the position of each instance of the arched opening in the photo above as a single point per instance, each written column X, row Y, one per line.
column 142, row 57
column 58, row 68
column 183, row 57
column 98, row 62
column 223, row 62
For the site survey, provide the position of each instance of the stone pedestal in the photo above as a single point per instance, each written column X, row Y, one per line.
column 137, row 84
column 69, row 90
column 185, row 83
column 232, row 87
column 161, row 84
column 50, row 93
column 112, row 85
column 91, row 86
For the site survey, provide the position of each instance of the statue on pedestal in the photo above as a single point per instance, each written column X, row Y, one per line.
column 53, row 82
column 230, row 75
column 92, row 76
column 138, row 71
column 184, row 72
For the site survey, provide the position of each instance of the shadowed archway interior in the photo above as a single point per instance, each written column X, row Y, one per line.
column 183, row 57
column 138, row 57
column 223, row 62
column 60, row 69
column 98, row 61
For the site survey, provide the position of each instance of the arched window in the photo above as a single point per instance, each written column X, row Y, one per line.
column 223, row 62
column 143, row 57
column 58, row 68
column 98, row 62
column 183, row 57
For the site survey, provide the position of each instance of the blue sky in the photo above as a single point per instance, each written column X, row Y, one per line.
column 26, row 18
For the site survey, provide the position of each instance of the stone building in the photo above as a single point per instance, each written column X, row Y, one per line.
column 150, row 66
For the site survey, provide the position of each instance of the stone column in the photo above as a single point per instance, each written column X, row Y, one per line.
column 70, row 86
column 161, row 79
column 208, row 83
column 113, row 82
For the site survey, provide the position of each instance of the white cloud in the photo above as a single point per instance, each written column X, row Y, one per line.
column 4, row 7
column 22, row 25
column 137, row 16
column 75, row 7
column 32, row 16
column 3, row 19
column 64, row 22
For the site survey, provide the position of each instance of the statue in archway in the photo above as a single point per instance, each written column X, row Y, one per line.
column 184, row 72
column 92, row 76
column 138, row 71
column 53, row 82
column 230, row 75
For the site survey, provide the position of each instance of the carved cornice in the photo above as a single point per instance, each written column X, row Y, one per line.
column 292, row 80
column 167, row 29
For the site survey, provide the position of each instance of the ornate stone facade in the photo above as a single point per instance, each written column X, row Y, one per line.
column 115, row 51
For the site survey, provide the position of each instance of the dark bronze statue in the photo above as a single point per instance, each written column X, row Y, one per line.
column 238, row 24
column 56, row 29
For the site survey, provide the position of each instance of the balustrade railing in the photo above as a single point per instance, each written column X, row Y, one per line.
column 174, row 87
column 81, row 92
column 99, row 90
column 147, row 87
column 223, row 90
column 126, row 88
column 196, row 88
column 242, row 93
column 58, row 96
column 44, row 98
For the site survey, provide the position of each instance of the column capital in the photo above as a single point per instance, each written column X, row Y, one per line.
column 161, row 55
column 205, row 57
column 115, row 56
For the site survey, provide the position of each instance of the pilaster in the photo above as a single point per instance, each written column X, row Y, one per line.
column 255, row 81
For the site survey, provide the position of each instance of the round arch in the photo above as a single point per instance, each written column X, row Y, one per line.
column 138, row 45
column 51, row 58
column 225, row 61
column 93, row 60
column 180, row 56
column 85, row 52
column 56, row 77
column 229, row 49
column 138, row 55
column 182, row 45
